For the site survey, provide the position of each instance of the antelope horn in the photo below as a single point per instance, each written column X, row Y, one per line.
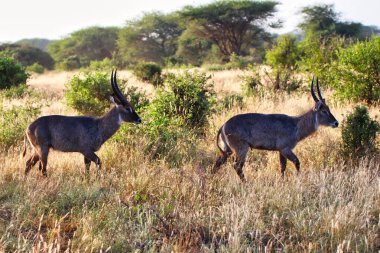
column 319, row 92
column 312, row 90
column 117, row 91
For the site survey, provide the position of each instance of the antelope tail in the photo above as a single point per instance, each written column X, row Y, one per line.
column 225, row 149
column 24, row 148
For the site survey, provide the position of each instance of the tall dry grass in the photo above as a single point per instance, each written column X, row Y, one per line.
column 140, row 204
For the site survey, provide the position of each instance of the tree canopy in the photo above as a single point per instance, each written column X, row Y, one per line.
column 192, row 49
column 27, row 55
column 36, row 42
column 227, row 23
column 150, row 38
column 324, row 21
column 84, row 46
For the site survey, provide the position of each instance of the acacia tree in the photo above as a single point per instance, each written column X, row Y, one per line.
column 324, row 21
column 319, row 19
column 192, row 49
column 228, row 23
column 150, row 38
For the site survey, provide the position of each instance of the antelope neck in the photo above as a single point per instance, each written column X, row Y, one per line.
column 109, row 123
column 307, row 124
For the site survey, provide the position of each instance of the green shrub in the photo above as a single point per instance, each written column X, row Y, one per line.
column 318, row 54
column 251, row 81
column 17, row 91
column 13, row 123
column 11, row 73
column 215, row 67
column 359, row 134
column 149, row 72
column 104, row 65
column 175, row 117
column 69, row 63
column 228, row 102
column 357, row 71
column 236, row 62
column 282, row 58
column 90, row 94
column 136, row 97
column 188, row 98
column 177, row 114
column 36, row 68
column 186, row 103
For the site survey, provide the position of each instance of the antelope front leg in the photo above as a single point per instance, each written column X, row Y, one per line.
column 288, row 153
column 87, row 163
column 283, row 164
column 94, row 158
column 44, row 159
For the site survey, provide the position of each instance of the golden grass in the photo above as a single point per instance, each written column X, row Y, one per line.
column 142, row 205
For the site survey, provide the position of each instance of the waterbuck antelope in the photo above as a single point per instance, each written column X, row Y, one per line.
column 278, row 132
column 77, row 133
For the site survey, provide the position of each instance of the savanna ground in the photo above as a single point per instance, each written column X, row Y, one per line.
column 143, row 204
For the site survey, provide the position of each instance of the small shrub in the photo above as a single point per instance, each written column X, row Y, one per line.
column 36, row 68
column 69, row 63
column 236, row 62
column 104, row 65
column 357, row 71
column 283, row 80
column 189, row 98
column 13, row 123
column 283, row 58
column 359, row 134
column 11, row 73
column 149, row 72
column 318, row 54
column 228, row 102
column 175, row 117
column 215, row 67
column 251, row 81
column 90, row 95
column 173, row 62
column 17, row 91
column 136, row 97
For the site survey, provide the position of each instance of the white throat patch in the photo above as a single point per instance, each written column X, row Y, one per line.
column 316, row 122
column 119, row 120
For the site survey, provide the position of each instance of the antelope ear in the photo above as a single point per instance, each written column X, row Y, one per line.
column 317, row 106
column 112, row 100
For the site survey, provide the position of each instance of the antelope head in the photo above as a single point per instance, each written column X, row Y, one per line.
column 323, row 114
column 126, row 111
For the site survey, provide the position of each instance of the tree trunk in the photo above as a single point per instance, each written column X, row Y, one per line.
column 277, row 85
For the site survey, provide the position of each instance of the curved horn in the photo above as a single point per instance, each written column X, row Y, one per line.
column 312, row 90
column 319, row 92
column 116, row 89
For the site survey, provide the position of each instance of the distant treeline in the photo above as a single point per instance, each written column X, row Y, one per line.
column 217, row 33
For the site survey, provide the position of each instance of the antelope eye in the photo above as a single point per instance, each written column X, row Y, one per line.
column 324, row 111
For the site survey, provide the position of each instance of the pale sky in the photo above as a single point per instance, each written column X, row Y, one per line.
column 53, row 19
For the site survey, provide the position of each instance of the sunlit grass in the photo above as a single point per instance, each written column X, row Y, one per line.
column 147, row 205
